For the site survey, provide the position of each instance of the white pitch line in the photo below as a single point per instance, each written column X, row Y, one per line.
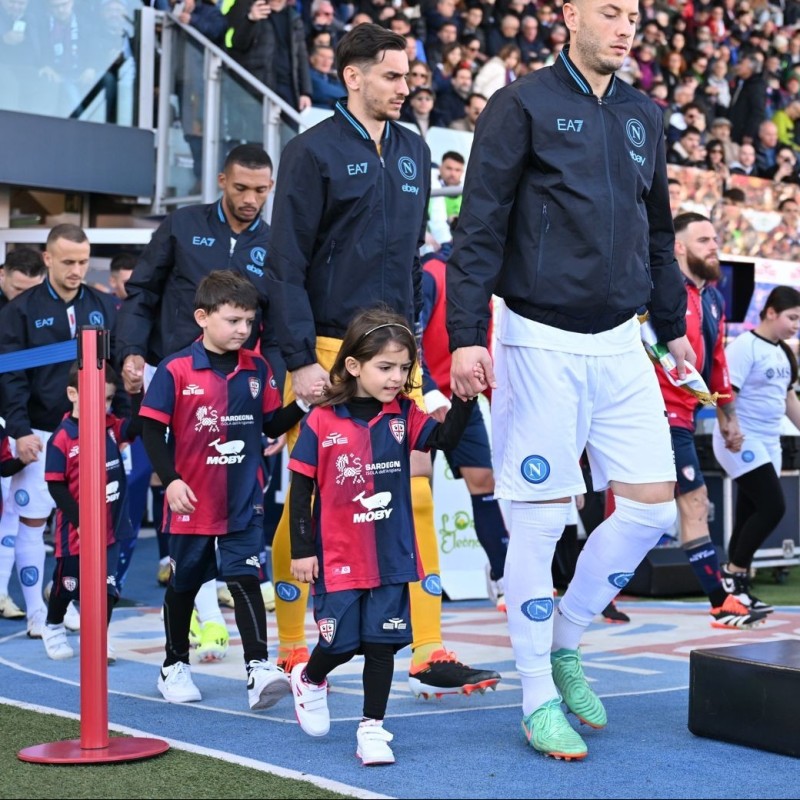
column 261, row 766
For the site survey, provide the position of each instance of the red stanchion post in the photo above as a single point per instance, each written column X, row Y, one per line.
column 94, row 745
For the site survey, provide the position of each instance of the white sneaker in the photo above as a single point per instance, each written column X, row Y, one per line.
column 176, row 685
column 268, row 593
column 55, row 642
column 10, row 610
column 373, row 744
column 495, row 590
column 111, row 654
column 72, row 619
column 310, row 703
column 266, row 684
column 36, row 623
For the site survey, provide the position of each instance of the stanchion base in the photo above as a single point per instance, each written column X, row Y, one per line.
column 69, row 751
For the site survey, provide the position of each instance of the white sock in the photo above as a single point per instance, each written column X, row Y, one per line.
column 207, row 605
column 29, row 553
column 534, row 532
column 9, row 524
column 606, row 564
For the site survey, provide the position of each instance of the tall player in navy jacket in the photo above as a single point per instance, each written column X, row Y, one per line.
column 358, row 547
column 217, row 398
column 34, row 401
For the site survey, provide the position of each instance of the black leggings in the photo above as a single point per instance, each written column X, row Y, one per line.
column 378, row 672
column 760, row 507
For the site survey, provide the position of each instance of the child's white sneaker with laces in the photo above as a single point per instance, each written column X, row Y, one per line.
column 176, row 685
column 373, row 743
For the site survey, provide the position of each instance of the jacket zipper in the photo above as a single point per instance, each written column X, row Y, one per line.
column 544, row 228
column 611, row 199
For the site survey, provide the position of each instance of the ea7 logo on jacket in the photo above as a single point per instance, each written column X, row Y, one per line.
column 357, row 169
column 46, row 322
column 203, row 241
column 569, row 124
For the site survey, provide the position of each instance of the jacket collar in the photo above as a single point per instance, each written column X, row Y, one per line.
column 344, row 117
column 567, row 71
column 224, row 220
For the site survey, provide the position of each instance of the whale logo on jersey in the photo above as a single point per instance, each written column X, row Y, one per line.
column 229, row 452
column 112, row 491
column 376, row 506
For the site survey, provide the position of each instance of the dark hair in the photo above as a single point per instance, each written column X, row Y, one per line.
column 474, row 94
column 249, row 156
column 368, row 335
column 453, row 156
column 780, row 299
column 735, row 194
column 72, row 377
column 72, row 233
column 683, row 221
column 790, row 199
column 122, row 261
column 225, row 286
column 364, row 46
column 25, row 260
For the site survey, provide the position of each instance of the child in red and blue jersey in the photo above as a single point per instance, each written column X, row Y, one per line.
column 62, row 473
column 358, row 547
column 216, row 399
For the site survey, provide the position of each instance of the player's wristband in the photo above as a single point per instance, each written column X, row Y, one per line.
column 304, row 407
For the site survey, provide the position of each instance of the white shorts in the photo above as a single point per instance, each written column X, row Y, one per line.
column 550, row 405
column 754, row 453
column 28, row 495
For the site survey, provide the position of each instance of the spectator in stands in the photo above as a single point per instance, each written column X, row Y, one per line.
column 675, row 122
column 717, row 88
column 326, row 88
column 720, row 129
column 530, row 44
column 401, row 24
column 746, row 163
column 452, row 99
column 269, row 40
column 785, row 169
column 443, row 211
column 649, row 69
column 420, row 110
column 442, row 14
column 784, row 120
column 434, row 48
column 766, row 148
column 715, row 161
column 475, row 50
column 653, row 34
column 748, row 102
column 498, row 71
column 673, row 66
column 475, row 104
column 472, row 25
column 419, row 74
column 505, row 34
column 452, row 55
column 323, row 18
column 686, row 152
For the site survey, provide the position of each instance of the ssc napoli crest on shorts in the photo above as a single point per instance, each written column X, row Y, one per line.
column 535, row 469
column 255, row 386
column 398, row 428
column 539, row 609
column 431, row 584
column 21, row 497
column 8, row 541
column 327, row 629
column 97, row 318
column 287, row 592
column 620, row 579
column 407, row 167
column 748, row 456
column 28, row 576
column 70, row 584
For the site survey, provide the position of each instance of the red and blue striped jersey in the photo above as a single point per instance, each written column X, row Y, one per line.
column 363, row 522
column 215, row 426
column 62, row 463
column 5, row 455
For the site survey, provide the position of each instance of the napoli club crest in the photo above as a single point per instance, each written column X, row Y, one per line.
column 398, row 428
column 255, row 387
column 327, row 628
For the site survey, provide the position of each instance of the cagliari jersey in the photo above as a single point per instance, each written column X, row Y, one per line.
column 363, row 523
column 62, row 463
column 215, row 423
